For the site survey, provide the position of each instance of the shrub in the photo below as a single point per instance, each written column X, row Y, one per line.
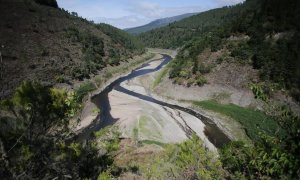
column 79, row 73
column 184, row 73
column 107, row 75
column 98, row 81
column 59, row 79
column 295, row 93
column 190, row 82
column 220, row 60
column 260, row 91
column 204, row 69
column 241, row 52
column 83, row 90
column 200, row 80
column 105, row 176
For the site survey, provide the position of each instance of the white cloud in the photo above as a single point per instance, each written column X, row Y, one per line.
column 154, row 10
column 145, row 8
column 142, row 12
column 123, row 22
column 131, row 13
column 228, row 2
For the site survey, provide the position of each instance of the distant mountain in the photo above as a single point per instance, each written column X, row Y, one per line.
column 157, row 23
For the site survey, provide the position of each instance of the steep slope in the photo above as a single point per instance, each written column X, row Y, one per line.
column 256, row 33
column 42, row 42
column 176, row 34
column 157, row 24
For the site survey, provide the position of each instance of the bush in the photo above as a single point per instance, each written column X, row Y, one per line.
column 204, row 69
column 200, row 80
column 108, row 75
column 79, row 72
column 98, row 81
column 184, row 73
column 59, row 79
column 260, row 91
column 220, row 60
column 190, row 82
column 105, row 176
column 83, row 90
column 241, row 52
column 295, row 93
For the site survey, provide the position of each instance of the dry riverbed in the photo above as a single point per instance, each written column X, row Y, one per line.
column 143, row 120
column 90, row 111
column 175, row 94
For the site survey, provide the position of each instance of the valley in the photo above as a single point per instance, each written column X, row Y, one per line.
column 208, row 95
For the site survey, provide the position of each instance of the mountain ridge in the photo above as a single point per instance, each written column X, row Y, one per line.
column 157, row 23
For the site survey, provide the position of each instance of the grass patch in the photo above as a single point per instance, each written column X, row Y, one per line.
column 253, row 121
column 153, row 142
column 160, row 76
column 148, row 128
column 96, row 111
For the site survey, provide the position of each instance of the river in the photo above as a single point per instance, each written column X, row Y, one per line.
column 105, row 118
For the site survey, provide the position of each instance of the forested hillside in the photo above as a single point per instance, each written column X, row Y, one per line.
column 124, row 132
column 41, row 46
column 261, row 33
column 178, row 33
column 39, row 41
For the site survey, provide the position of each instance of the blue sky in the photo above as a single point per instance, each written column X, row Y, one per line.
column 132, row 13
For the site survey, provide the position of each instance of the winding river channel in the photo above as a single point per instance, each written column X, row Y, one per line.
column 214, row 134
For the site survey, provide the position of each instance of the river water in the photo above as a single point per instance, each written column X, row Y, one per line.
column 212, row 132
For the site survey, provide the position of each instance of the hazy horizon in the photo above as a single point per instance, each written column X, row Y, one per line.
column 132, row 13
